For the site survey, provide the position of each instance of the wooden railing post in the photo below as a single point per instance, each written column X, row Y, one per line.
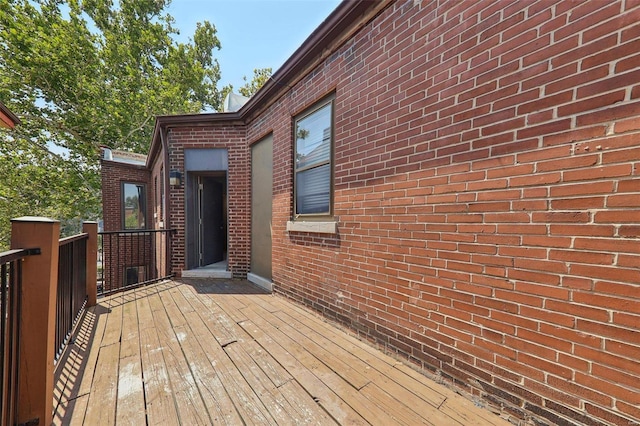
column 38, row 316
column 91, row 228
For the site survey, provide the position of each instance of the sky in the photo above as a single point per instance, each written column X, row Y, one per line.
column 253, row 33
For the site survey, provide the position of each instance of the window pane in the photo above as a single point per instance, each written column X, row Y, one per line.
column 313, row 138
column 134, row 275
column 313, row 190
column 133, row 205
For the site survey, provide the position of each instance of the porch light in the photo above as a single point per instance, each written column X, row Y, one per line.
column 175, row 178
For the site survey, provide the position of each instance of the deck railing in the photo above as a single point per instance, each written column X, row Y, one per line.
column 72, row 287
column 131, row 258
column 10, row 311
column 40, row 298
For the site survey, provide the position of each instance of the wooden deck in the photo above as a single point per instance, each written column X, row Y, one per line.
column 202, row 352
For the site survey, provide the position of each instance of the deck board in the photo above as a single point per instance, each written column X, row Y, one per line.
column 103, row 395
column 375, row 365
column 189, row 404
column 224, row 352
column 322, row 365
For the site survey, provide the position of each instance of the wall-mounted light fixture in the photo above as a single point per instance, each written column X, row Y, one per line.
column 175, row 178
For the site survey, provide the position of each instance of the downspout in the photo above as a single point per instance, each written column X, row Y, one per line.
column 167, row 190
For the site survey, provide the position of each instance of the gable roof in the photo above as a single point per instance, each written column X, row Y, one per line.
column 348, row 17
column 7, row 118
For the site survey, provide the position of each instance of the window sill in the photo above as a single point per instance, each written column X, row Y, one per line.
column 315, row 227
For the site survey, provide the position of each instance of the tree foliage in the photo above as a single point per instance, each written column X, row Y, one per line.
column 260, row 77
column 84, row 73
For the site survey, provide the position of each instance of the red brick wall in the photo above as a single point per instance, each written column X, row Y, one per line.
column 231, row 138
column 113, row 175
column 486, row 192
column 121, row 252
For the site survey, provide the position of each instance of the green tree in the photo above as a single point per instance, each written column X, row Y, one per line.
column 85, row 73
column 260, row 77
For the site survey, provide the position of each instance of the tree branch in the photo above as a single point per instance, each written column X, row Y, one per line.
column 139, row 128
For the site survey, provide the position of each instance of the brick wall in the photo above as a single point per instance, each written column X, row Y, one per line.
column 486, row 192
column 231, row 138
column 120, row 252
column 113, row 175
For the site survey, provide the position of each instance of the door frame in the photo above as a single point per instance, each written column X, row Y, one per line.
column 193, row 218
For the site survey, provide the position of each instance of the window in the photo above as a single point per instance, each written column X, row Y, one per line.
column 156, row 195
column 313, row 146
column 133, row 205
column 161, row 194
column 134, row 275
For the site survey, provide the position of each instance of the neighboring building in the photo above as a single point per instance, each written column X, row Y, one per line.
column 7, row 119
column 458, row 182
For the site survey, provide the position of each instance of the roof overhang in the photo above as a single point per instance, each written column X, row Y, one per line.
column 7, row 118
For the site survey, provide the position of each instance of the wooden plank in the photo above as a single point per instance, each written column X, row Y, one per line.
column 89, row 346
column 400, row 407
column 278, row 406
column 215, row 397
column 113, row 330
column 322, row 393
column 217, row 400
column 131, row 405
column 130, row 341
column 298, row 405
column 220, row 325
column 71, row 412
column 330, row 378
column 65, row 374
column 467, row 413
column 431, row 392
column 189, row 404
column 390, row 379
column 338, row 409
column 351, row 371
column 401, row 413
column 173, row 313
column 180, row 300
column 307, row 408
column 144, row 292
column 161, row 407
column 102, row 399
column 246, row 402
column 393, row 376
column 222, row 298
column 274, row 371
column 78, row 369
column 145, row 317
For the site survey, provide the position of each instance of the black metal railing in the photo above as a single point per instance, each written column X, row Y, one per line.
column 131, row 258
column 72, row 287
column 10, row 306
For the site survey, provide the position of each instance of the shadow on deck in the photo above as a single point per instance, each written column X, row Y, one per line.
column 225, row 352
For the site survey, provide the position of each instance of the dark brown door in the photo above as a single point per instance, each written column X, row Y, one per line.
column 212, row 236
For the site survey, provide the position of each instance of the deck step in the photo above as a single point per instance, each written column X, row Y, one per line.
column 206, row 273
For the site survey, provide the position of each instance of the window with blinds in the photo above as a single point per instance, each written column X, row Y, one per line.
column 313, row 146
